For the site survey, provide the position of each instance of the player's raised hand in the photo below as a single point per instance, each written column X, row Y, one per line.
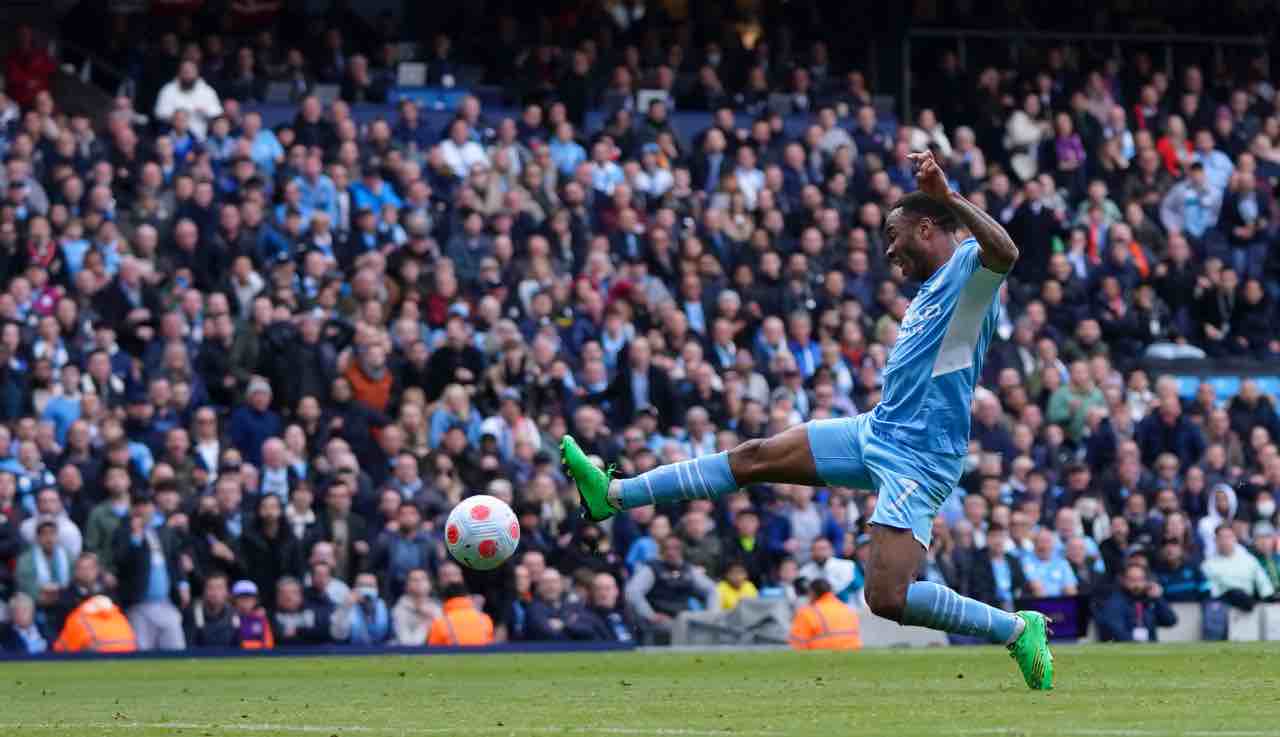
column 929, row 176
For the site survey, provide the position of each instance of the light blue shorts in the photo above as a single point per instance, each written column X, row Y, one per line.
column 912, row 484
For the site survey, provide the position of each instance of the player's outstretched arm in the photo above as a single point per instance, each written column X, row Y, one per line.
column 998, row 252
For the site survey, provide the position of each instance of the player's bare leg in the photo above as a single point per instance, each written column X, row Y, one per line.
column 894, row 593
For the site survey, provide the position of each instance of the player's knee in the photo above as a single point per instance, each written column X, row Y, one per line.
column 887, row 600
column 746, row 460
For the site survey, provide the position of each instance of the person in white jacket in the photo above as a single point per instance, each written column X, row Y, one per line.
column 841, row 573
column 189, row 92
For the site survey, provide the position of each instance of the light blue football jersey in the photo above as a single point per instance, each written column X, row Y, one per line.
column 937, row 358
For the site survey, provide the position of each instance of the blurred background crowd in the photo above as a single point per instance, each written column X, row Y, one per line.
column 268, row 312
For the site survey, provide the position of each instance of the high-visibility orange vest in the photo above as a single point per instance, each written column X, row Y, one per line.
column 461, row 624
column 826, row 624
column 97, row 626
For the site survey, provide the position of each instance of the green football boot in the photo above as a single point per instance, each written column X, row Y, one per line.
column 1031, row 651
column 592, row 483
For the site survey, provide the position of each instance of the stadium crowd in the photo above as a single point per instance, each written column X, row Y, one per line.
column 246, row 371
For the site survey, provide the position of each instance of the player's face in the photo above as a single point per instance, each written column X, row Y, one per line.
column 903, row 246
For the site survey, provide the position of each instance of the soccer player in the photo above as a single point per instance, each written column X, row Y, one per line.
column 910, row 448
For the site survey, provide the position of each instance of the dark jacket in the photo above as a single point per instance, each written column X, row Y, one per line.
column 1182, row 439
column 310, row 624
column 622, row 405
column 132, row 560
column 1122, row 612
column 249, row 428
column 595, row 624
column 543, row 619
column 980, row 579
column 11, row 642
column 266, row 560
column 207, row 629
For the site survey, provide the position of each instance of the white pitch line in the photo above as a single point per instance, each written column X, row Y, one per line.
column 1120, row 732
column 363, row 729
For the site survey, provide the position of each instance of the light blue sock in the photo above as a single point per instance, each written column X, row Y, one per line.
column 707, row 477
column 940, row 608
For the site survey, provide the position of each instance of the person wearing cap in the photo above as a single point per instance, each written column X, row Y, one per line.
column 254, row 630
column 254, row 421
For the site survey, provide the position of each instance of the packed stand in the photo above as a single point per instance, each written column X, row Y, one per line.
column 246, row 371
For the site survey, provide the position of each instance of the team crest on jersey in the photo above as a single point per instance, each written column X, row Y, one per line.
column 914, row 320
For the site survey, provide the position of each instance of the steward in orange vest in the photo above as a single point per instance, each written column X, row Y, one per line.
column 96, row 626
column 461, row 623
column 826, row 624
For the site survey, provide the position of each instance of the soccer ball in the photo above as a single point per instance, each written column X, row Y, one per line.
column 482, row 532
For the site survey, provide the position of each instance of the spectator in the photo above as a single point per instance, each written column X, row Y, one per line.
column 22, row 635
column 460, row 624
column 268, row 550
column 839, row 573
column 301, row 618
column 1135, row 610
column 1266, row 546
column 362, row 619
column 1179, row 578
column 45, row 568
column 415, row 611
column 548, row 612
column 188, row 92
column 28, row 68
column 253, row 422
column 1233, row 574
column 735, row 586
column 599, row 618
column 661, row 589
column 146, row 560
column 826, row 623
column 1048, row 572
column 397, row 553
column 993, row 575
column 1070, row 404
column 254, row 632
column 1167, row 431
column 211, row 620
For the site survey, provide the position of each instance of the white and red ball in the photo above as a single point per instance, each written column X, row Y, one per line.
column 482, row 532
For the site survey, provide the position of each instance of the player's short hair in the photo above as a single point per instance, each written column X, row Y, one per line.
column 920, row 205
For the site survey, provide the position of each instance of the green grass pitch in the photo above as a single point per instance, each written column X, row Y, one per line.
column 1203, row 690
